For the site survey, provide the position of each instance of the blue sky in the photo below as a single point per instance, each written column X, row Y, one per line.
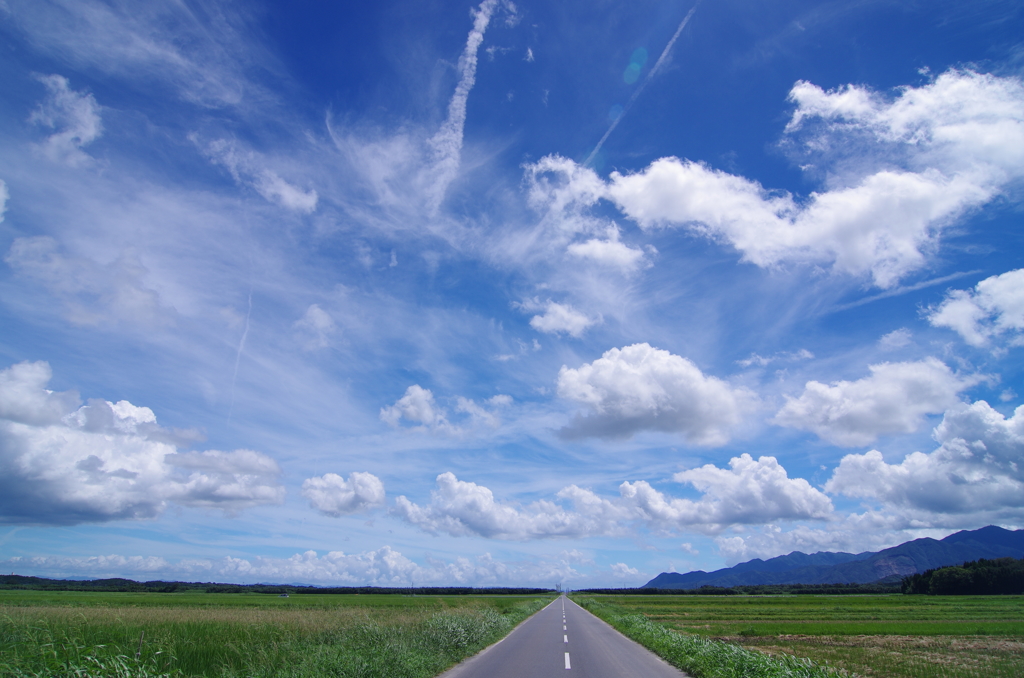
column 487, row 294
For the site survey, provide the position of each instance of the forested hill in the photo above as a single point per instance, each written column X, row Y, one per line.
column 893, row 563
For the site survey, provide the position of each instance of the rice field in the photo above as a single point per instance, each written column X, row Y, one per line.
column 227, row 635
column 891, row 636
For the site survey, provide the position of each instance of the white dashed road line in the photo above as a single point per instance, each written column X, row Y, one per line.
column 567, row 661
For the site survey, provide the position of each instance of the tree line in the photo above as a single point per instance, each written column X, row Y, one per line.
column 1001, row 576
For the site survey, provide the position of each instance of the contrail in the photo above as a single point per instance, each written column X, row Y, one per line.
column 903, row 290
column 238, row 355
column 447, row 143
column 657, row 66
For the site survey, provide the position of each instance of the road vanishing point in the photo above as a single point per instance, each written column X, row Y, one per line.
column 564, row 641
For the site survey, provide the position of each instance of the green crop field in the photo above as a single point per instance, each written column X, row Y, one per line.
column 871, row 635
column 210, row 634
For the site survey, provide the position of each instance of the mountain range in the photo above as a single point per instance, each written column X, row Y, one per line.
column 861, row 568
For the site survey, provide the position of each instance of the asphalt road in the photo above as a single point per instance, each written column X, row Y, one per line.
column 564, row 641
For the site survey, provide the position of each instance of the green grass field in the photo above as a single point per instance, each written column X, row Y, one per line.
column 885, row 635
column 224, row 635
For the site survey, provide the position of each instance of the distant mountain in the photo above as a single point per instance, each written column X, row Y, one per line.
column 831, row 568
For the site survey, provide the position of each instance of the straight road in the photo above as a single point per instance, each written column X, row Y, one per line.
column 564, row 641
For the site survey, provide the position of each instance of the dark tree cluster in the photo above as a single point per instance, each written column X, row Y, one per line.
column 1001, row 576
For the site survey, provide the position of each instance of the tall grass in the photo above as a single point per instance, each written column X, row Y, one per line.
column 418, row 640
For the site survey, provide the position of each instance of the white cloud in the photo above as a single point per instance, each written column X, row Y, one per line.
column 559, row 185
column 333, row 495
column 91, row 292
column 610, row 252
column 881, row 226
column 896, row 339
column 639, row 388
column 65, row 464
column 994, row 307
column 74, row 116
column 977, row 471
column 461, row 508
column 894, row 399
column 958, row 142
column 963, row 122
column 624, row 571
column 749, row 492
column 248, row 169
column 561, row 319
column 316, row 326
column 418, row 406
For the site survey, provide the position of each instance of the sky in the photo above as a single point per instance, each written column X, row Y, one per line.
column 488, row 294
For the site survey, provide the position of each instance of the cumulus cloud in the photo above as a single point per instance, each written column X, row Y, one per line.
column 74, row 117
column 977, row 470
column 316, row 327
column 333, row 495
column 881, row 226
column 894, row 399
column 926, row 157
column 560, row 319
column 418, row 406
column 248, row 169
column 993, row 308
column 91, row 292
column 62, row 463
column 461, row 508
column 748, row 492
column 640, row 387
column 624, row 571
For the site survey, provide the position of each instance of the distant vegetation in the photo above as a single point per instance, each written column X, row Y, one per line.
column 18, row 582
column 1002, row 576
